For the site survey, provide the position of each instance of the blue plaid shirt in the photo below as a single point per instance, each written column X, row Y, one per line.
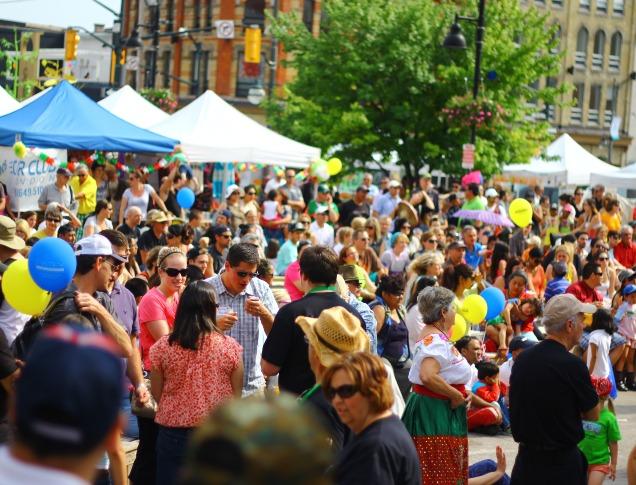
column 247, row 328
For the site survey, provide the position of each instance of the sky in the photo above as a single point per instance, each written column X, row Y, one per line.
column 60, row 13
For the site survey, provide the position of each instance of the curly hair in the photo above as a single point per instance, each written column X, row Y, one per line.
column 369, row 376
column 393, row 284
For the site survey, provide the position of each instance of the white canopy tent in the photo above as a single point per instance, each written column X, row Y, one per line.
column 211, row 130
column 572, row 165
column 624, row 178
column 134, row 108
column 7, row 102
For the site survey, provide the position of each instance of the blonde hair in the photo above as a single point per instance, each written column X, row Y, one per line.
column 165, row 253
column 358, row 223
column 567, row 249
column 372, row 221
column 420, row 265
column 344, row 233
column 23, row 225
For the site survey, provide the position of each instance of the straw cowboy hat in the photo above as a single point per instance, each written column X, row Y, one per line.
column 334, row 333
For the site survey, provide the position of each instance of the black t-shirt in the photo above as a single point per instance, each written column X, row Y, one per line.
column 67, row 306
column 127, row 231
column 286, row 346
column 7, row 367
column 549, row 389
column 382, row 454
column 349, row 210
column 329, row 418
column 148, row 240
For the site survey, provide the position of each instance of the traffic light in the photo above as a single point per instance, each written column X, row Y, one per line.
column 122, row 57
column 71, row 42
column 253, row 44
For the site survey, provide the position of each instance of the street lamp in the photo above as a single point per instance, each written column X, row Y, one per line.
column 455, row 40
column 615, row 87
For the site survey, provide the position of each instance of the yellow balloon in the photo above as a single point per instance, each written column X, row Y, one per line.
column 474, row 309
column 334, row 166
column 520, row 212
column 20, row 290
column 459, row 328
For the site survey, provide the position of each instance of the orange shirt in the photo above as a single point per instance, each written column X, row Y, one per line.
column 538, row 281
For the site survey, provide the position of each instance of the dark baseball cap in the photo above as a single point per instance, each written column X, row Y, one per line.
column 457, row 245
column 69, row 393
column 221, row 229
column 520, row 342
column 63, row 171
column 297, row 227
column 324, row 189
column 362, row 188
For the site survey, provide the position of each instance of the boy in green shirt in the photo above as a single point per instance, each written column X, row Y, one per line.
column 600, row 445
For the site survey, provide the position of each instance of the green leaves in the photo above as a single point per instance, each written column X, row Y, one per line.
column 378, row 80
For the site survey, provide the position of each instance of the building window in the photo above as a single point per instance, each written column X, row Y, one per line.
column 200, row 66
column 549, row 109
column 601, row 6
column 557, row 3
column 209, row 9
column 609, row 104
column 615, row 52
column 196, row 14
column 578, row 97
column 556, row 38
column 254, row 13
column 245, row 81
column 165, row 68
column 595, row 104
column 599, row 50
column 584, row 5
column 169, row 15
column 308, row 14
column 580, row 57
column 618, row 7
column 148, row 55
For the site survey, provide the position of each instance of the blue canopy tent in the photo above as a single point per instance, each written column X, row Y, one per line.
column 66, row 118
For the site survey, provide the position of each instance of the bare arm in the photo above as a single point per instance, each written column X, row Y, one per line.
column 429, row 375
column 379, row 313
column 268, row 368
column 156, row 384
column 593, row 350
column 237, row 379
column 158, row 328
column 492, row 477
column 7, row 382
column 122, row 209
column 157, row 200
column 133, row 369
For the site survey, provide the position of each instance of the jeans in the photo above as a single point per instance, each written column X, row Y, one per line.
column 171, row 450
column 145, row 465
column 131, row 429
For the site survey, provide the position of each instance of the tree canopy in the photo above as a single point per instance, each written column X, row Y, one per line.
column 376, row 79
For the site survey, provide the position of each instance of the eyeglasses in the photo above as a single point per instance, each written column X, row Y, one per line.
column 174, row 272
column 245, row 274
column 345, row 392
column 52, row 219
column 432, row 241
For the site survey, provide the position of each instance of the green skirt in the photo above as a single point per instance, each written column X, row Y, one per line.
column 441, row 439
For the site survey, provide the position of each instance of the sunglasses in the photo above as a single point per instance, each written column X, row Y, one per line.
column 603, row 259
column 432, row 241
column 355, row 283
column 114, row 265
column 345, row 392
column 174, row 272
column 51, row 219
column 245, row 274
column 598, row 274
column 363, row 239
column 250, row 193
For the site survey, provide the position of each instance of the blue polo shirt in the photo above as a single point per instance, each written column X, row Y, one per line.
column 474, row 258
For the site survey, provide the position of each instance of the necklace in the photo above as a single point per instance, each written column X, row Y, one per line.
column 444, row 335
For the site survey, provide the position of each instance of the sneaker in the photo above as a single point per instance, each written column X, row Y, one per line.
column 621, row 386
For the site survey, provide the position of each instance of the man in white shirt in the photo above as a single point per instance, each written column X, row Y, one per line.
column 385, row 204
column 517, row 345
column 66, row 409
column 322, row 231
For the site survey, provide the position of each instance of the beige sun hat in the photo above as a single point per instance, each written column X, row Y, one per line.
column 334, row 333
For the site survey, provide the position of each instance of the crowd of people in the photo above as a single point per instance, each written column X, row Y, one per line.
column 180, row 327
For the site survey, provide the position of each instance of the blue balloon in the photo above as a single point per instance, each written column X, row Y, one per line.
column 496, row 301
column 52, row 263
column 185, row 197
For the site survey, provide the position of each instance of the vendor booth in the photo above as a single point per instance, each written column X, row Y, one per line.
column 129, row 105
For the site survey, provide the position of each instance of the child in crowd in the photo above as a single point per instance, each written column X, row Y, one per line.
column 598, row 358
column 522, row 314
column 600, row 445
column 626, row 320
column 559, row 283
column 487, row 419
column 272, row 207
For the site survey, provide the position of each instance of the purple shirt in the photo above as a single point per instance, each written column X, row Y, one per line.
column 126, row 314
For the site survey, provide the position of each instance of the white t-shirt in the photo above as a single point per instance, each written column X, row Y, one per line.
column 92, row 221
column 454, row 368
column 602, row 340
column 324, row 235
column 270, row 210
column 15, row 472
column 414, row 323
column 505, row 370
column 11, row 321
column 141, row 201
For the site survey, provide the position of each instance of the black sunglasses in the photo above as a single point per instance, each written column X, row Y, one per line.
column 355, row 283
column 250, row 193
column 598, row 274
column 245, row 274
column 173, row 272
column 344, row 392
column 52, row 219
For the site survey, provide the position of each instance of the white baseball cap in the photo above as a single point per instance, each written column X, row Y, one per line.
column 96, row 245
column 394, row 183
column 231, row 189
column 491, row 192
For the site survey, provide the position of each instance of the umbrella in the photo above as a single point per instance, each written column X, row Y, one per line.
column 486, row 217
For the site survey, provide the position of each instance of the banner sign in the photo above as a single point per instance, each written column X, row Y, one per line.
column 25, row 178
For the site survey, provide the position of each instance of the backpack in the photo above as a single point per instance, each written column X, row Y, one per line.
column 22, row 344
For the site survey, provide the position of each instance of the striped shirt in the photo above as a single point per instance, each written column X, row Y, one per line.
column 247, row 328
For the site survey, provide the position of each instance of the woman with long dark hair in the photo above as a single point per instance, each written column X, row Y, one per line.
column 499, row 261
column 194, row 369
column 100, row 219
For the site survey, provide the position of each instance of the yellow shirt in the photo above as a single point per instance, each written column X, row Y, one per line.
column 89, row 189
column 611, row 221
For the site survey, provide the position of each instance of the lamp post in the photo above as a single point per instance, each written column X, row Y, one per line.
column 615, row 87
column 455, row 40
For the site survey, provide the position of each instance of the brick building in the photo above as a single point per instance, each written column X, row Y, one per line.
column 220, row 61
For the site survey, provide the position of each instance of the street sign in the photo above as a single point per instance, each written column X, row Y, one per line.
column 468, row 156
column 224, row 29
column 132, row 63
